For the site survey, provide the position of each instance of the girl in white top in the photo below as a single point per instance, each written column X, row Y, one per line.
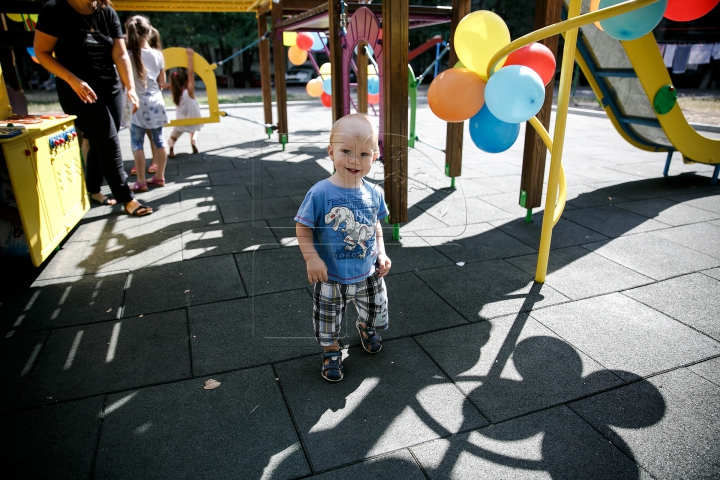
column 149, row 72
column 182, row 85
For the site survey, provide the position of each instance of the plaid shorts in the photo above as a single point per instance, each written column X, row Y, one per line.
column 330, row 299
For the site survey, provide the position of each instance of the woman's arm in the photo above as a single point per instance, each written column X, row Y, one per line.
column 191, row 73
column 124, row 68
column 44, row 46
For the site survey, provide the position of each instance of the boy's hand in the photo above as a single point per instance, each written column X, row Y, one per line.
column 383, row 265
column 317, row 270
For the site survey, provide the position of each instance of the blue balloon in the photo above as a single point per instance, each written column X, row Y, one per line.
column 319, row 41
column 327, row 85
column 374, row 84
column 514, row 94
column 635, row 24
column 490, row 134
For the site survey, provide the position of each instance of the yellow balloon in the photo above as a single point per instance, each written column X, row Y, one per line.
column 594, row 5
column 297, row 55
column 478, row 37
column 33, row 17
column 289, row 38
column 371, row 70
column 325, row 69
column 15, row 17
column 314, row 87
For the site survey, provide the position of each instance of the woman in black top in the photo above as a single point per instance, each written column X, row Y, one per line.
column 90, row 60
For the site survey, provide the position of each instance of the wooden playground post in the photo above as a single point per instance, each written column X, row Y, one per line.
column 362, row 85
column 335, row 43
column 547, row 12
column 454, row 136
column 279, row 63
column 395, row 37
column 264, row 48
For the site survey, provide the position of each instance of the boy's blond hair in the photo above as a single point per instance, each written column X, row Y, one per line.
column 359, row 119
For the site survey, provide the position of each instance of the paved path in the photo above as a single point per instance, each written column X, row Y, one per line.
column 609, row 369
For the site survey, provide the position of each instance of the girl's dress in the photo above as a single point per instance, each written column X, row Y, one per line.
column 151, row 112
column 188, row 108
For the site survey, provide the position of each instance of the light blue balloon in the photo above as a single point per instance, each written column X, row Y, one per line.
column 635, row 24
column 514, row 94
column 490, row 134
column 374, row 84
column 319, row 41
column 327, row 85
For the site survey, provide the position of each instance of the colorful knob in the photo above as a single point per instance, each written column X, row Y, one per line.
column 27, row 153
column 35, row 149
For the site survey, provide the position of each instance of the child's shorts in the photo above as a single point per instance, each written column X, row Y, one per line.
column 331, row 298
column 137, row 137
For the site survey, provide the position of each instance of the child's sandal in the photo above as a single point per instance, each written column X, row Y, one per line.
column 333, row 370
column 371, row 341
column 133, row 171
column 139, row 187
column 155, row 182
column 152, row 168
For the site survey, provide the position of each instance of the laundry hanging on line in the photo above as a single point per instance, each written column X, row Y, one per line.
column 700, row 53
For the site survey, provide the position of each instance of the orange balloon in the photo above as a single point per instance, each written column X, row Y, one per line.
column 314, row 87
column 456, row 94
column 297, row 55
column 373, row 98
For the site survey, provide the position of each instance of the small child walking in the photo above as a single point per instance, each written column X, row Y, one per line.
column 182, row 85
column 340, row 236
column 149, row 71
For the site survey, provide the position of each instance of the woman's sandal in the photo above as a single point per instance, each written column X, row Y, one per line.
column 155, row 182
column 152, row 168
column 370, row 340
column 106, row 201
column 333, row 370
column 137, row 212
column 139, row 187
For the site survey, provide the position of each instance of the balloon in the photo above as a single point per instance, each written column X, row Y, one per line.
column 490, row 134
column 289, row 38
column 478, row 37
column 459, row 64
column 327, row 85
column 684, row 11
column 304, row 41
column 373, row 84
column 373, row 98
column 319, row 41
column 326, row 100
column 514, row 94
column 314, row 87
column 635, row 24
column 325, row 70
column 15, row 17
column 296, row 55
column 371, row 70
column 456, row 94
column 536, row 56
column 594, row 4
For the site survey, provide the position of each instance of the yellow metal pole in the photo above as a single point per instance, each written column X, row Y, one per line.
column 558, row 140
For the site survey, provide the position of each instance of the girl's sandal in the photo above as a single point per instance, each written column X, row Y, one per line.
column 139, row 187
column 152, row 168
column 332, row 371
column 171, row 154
column 370, row 340
column 133, row 171
column 156, row 182
column 194, row 149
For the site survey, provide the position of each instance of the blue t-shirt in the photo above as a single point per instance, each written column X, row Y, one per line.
column 343, row 221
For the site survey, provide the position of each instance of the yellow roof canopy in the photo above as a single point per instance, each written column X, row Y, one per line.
column 190, row 5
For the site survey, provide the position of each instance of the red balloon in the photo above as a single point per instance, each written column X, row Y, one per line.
column 326, row 99
column 304, row 41
column 373, row 98
column 536, row 56
column 684, row 10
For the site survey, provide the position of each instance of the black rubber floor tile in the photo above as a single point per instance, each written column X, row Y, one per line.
column 386, row 402
column 18, row 354
column 668, row 423
column 399, row 464
column 512, row 366
column 64, row 302
column 252, row 331
column 221, row 239
column 57, row 441
column 183, row 284
column 697, row 306
column 274, row 270
column 484, row 290
column 623, row 334
column 241, row 429
column 104, row 357
column 551, row 444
